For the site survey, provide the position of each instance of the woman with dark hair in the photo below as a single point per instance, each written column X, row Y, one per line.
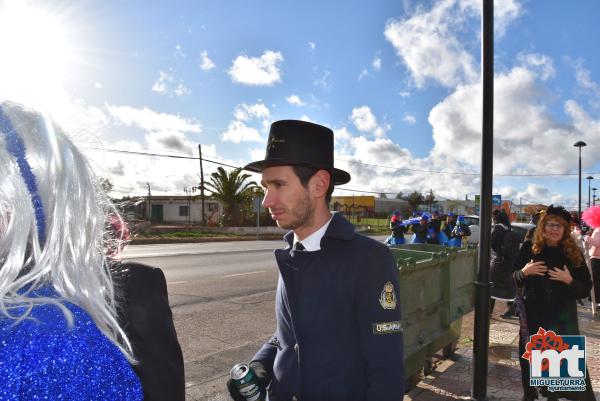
column 552, row 275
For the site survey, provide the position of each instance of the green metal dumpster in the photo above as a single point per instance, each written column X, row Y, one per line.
column 436, row 290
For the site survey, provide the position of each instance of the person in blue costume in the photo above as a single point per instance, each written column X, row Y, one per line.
column 398, row 229
column 59, row 334
column 435, row 225
column 338, row 335
column 455, row 230
column 420, row 230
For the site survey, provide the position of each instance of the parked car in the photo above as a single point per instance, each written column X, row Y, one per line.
column 521, row 229
column 473, row 222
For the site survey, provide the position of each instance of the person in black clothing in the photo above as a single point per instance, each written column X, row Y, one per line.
column 398, row 230
column 552, row 275
column 435, row 225
column 501, row 262
column 147, row 320
column 420, row 230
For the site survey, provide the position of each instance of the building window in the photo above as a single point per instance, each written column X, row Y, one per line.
column 183, row 211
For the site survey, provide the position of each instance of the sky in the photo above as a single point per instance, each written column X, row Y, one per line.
column 398, row 82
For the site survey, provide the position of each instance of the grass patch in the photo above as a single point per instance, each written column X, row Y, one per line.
column 189, row 234
column 465, row 341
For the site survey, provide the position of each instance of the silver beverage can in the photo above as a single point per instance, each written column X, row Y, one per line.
column 245, row 380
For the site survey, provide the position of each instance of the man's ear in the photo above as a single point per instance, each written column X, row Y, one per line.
column 319, row 183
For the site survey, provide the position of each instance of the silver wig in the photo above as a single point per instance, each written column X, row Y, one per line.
column 53, row 215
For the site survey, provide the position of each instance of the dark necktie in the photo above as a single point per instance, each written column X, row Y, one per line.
column 298, row 246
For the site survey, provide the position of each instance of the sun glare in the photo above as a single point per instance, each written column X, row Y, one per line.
column 35, row 53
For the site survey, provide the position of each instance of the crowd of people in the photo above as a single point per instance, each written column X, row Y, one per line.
column 425, row 228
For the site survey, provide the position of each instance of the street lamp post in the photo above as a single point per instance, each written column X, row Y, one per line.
column 589, row 178
column 579, row 144
column 594, row 197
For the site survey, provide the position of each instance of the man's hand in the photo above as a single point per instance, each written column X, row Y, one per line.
column 261, row 376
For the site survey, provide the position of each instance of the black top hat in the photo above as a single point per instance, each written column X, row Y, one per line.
column 300, row 143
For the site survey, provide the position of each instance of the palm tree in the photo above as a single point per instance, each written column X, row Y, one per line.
column 233, row 191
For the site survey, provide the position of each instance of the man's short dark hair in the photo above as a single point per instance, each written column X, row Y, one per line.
column 304, row 173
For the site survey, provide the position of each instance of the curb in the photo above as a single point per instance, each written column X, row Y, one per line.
column 187, row 240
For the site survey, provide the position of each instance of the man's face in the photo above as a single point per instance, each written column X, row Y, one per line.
column 288, row 201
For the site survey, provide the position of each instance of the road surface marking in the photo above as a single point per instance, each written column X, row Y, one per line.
column 245, row 274
column 176, row 282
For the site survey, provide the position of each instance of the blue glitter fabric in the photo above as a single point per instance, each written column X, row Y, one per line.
column 16, row 147
column 42, row 359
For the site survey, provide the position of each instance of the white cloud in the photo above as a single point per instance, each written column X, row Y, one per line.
column 257, row 71
column 584, row 81
column 428, row 42
column 518, row 148
column 246, row 112
column 256, row 153
column 410, row 119
column 363, row 73
column 181, row 90
column 179, row 51
column 312, row 45
column 160, row 85
column 238, row 132
column 323, row 80
column 151, row 120
column 167, row 84
column 376, row 63
column 540, row 63
column 365, row 121
column 428, row 46
column 206, row 64
column 404, row 94
column 295, row 100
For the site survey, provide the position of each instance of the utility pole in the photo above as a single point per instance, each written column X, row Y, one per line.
column 149, row 208
column 481, row 327
column 201, row 184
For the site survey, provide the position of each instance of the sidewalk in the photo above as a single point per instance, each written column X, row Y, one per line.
column 452, row 378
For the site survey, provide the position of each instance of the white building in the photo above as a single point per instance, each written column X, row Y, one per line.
column 183, row 209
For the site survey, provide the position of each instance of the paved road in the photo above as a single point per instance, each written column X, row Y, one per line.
column 223, row 300
column 222, row 295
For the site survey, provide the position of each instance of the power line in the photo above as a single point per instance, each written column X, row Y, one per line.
column 348, row 161
column 459, row 172
column 131, row 152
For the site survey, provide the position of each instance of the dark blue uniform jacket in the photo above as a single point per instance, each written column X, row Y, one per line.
column 339, row 334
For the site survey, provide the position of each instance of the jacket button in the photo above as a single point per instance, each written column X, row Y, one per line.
column 296, row 348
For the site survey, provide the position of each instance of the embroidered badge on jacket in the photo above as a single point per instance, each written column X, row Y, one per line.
column 388, row 297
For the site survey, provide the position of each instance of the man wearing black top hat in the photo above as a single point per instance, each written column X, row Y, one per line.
column 339, row 331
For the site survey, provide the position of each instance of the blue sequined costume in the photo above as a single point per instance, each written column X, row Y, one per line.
column 42, row 359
